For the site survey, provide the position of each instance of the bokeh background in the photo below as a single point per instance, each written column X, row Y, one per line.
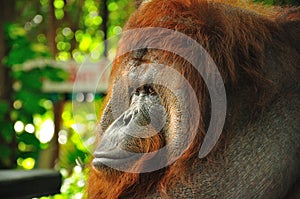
column 42, row 45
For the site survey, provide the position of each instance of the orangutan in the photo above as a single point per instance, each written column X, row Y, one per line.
column 203, row 103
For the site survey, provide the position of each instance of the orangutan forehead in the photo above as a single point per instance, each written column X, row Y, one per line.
column 144, row 56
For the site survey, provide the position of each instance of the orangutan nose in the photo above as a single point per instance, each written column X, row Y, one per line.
column 136, row 116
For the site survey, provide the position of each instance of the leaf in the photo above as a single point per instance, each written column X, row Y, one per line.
column 5, row 152
column 56, row 74
column 33, row 108
column 31, row 80
column 14, row 31
column 31, row 101
column 33, row 154
column 29, row 139
column 3, row 109
column 40, row 48
column 19, row 53
column 24, row 116
column 7, row 131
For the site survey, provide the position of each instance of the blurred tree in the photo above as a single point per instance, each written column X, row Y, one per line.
column 7, row 142
column 20, row 90
column 59, row 29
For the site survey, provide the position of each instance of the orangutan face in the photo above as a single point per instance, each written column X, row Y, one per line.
column 147, row 117
column 153, row 113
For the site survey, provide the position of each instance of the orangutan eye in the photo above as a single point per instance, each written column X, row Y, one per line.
column 137, row 91
column 146, row 89
column 149, row 90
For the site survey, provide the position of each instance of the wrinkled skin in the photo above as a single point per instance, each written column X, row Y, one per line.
column 257, row 156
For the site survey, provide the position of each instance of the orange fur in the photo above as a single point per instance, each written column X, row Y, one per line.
column 236, row 35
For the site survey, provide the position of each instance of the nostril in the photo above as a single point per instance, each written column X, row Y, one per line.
column 127, row 119
column 130, row 115
column 135, row 112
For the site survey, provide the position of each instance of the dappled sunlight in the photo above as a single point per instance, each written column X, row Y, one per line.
column 46, row 131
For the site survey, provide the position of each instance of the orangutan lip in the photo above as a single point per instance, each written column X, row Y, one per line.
column 115, row 154
column 113, row 160
column 109, row 159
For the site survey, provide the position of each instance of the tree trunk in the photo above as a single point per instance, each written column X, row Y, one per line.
column 52, row 29
column 58, row 105
column 7, row 13
column 6, row 16
column 104, row 16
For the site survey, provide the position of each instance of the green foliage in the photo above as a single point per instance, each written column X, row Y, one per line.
column 78, row 31
column 119, row 12
column 21, row 48
column 6, row 131
column 3, row 109
column 27, row 95
column 6, row 136
column 74, row 184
